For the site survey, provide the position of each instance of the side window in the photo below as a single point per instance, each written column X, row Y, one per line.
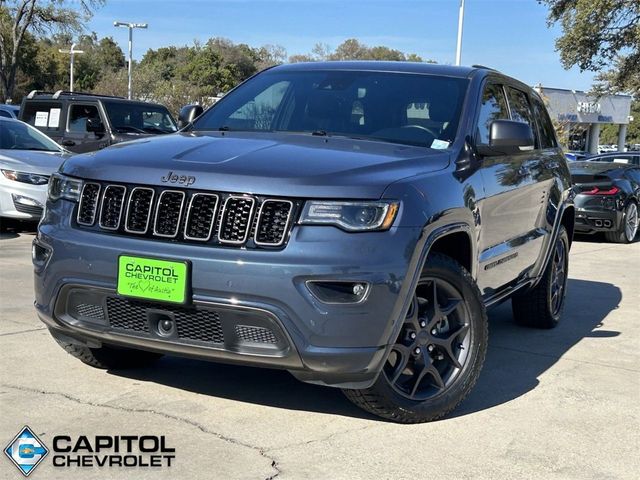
column 493, row 107
column 258, row 114
column 78, row 116
column 545, row 127
column 4, row 114
column 519, row 105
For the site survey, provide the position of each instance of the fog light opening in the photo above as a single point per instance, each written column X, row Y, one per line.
column 339, row 292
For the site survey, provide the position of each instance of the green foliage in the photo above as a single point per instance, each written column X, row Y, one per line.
column 21, row 18
column 609, row 133
column 600, row 35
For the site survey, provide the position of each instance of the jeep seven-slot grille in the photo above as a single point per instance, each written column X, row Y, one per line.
column 183, row 215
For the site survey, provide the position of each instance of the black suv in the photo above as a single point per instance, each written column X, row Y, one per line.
column 85, row 122
column 349, row 222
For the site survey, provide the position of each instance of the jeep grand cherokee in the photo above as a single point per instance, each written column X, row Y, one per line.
column 349, row 222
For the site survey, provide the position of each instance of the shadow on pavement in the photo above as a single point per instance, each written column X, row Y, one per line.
column 517, row 356
column 12, row 228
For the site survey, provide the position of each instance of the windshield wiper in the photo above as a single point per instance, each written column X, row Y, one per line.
column 319, row 133
column 128, row 128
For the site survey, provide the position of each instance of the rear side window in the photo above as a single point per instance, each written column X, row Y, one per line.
column 494, row 107
column 44, row 115
column 519, row 105
column 545, row 127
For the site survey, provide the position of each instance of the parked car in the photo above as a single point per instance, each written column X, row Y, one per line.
column 9, row 111
column 632, row 158
column 350, row 222
column 576, row 156
column 84, row 122
column 607, row 199
column 27, row 159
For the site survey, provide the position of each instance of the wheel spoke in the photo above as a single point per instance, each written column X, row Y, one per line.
column 427, row 368
column 403, row 354
column 447, row 345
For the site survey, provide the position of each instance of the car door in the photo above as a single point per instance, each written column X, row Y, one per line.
column 508, row 241
column 78, row 136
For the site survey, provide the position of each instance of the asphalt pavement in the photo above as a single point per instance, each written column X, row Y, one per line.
column 559, row 404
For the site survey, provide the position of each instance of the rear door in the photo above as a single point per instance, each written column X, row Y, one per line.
column 77, row 137
column 509, row 241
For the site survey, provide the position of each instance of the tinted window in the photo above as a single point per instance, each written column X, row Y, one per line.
column 130, row 117
column 78, row 116
column 634, row 173
column 44, row 115
column 5, row 114
column 402, row 108
column 18, row 136
column 545, row 127
column 494, row 107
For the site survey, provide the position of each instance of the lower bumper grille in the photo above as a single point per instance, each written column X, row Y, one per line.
column 191, row 323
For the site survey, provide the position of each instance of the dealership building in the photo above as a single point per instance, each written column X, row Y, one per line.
column 584, row 115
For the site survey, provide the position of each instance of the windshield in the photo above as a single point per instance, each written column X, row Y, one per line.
column 134, row 118
column 16, row 135
column 402, row 108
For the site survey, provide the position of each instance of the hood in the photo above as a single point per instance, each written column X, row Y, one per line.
column 32, row 161
column 281, row 164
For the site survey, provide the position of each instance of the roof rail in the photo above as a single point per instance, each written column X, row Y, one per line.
column 57, row 94
column 33, row 93
column 485, row 67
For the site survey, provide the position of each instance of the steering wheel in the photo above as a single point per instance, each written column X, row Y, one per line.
column 425, row 129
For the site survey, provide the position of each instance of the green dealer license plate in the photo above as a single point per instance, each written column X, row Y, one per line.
column 152, row 279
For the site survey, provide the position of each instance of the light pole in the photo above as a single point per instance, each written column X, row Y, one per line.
column 72, row 53
column 130, row 26
column 460, row 24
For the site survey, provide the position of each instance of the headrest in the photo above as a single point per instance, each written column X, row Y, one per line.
column 326, row 106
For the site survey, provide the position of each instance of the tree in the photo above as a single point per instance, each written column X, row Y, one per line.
column 599, row 35
column 18, row 18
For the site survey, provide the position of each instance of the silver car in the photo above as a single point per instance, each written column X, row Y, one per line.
column 27, row 159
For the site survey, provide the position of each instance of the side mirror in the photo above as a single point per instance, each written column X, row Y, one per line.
column 188, row 114
column 507, row 137
column 94, row 125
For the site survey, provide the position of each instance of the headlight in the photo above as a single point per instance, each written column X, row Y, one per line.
column 61, row 186
column 350, row 216
column 25, row 177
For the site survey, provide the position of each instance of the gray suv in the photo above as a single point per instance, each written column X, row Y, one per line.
column 349, row 222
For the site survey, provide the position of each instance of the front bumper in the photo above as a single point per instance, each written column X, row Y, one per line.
column 341, row 345
column 21, row 201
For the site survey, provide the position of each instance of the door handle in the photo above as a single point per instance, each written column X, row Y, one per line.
column 68, row 143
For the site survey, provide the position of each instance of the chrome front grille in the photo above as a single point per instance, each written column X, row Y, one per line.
column 234, row 220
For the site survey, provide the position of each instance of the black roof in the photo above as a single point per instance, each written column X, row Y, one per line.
column 382, row 66
column 84, row 96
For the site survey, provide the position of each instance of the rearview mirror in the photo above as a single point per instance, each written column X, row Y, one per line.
column 188, row 114
column 507, row 137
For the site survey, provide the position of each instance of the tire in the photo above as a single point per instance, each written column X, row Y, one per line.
column 109, row 358
column 542, row 306
column 452, row 341
column 628, row 228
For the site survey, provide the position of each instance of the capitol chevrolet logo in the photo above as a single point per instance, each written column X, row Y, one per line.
column 26, row 451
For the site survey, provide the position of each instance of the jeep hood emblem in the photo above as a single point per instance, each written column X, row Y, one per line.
column 172, row 177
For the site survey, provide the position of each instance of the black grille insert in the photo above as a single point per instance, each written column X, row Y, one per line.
column 139, row 210
column 112, row 203
column 168, row 213
column 88, row 204
column 201, row 216
column 273, row 222
column 236, row 219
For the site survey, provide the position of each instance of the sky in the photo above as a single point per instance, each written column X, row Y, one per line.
column 509, row 35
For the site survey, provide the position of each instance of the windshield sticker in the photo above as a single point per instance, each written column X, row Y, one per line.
column 41, row 119
column 439, row 144
column 54, row 118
